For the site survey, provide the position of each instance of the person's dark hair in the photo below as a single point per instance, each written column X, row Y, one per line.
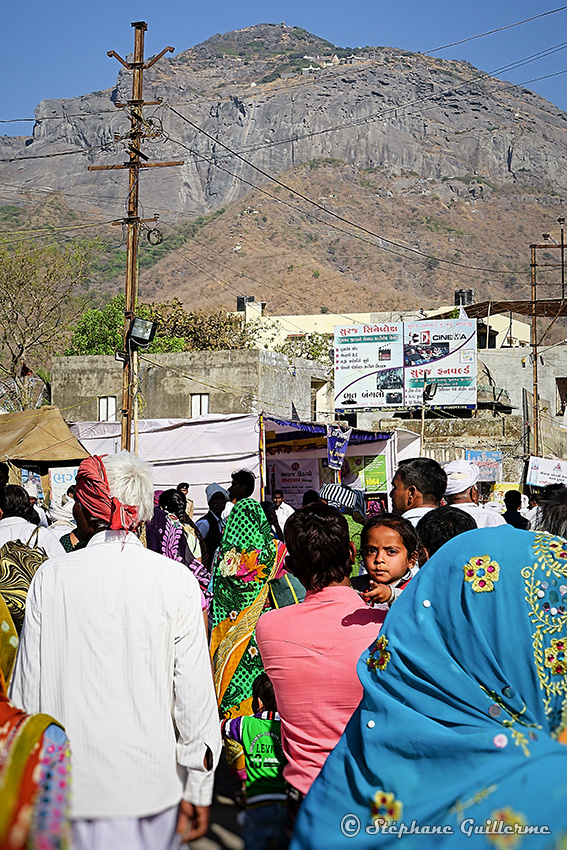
column 310, row 497
column 14, row 501
column 317, row 540
column 173, row 502
column 71, row 490
column 401, row 526
column 278, row 493
column 263, row 690
column 437, row 527
column 549, row 489
column 269, row 508
column 551, row 513
column 4, row 470
column 246, row 479
column 426, row 475
column 513, row 499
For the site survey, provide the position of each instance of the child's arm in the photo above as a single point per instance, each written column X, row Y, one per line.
column 232, row 729
column 379, row 593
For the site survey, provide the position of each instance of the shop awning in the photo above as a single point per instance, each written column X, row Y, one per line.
column 38, row 436
column 289, row 428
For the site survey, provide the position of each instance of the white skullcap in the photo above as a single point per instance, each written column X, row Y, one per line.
column 461, row 475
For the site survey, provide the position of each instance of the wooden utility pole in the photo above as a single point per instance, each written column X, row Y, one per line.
column 132, row 220
column 533, row 266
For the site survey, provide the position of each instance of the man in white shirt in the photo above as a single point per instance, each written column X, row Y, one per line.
column 114, row 646
column 417, row 487
column 283, row 510
column 462, row 492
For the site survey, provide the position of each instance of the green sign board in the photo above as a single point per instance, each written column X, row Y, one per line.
column 375, row 475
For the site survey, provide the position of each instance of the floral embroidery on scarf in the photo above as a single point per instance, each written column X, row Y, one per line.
column 385, row 808
column 554, row 657
column 230, row 563
column 250, row 568
column 506, row 817
column 546, row 594
column 379, row 655
column 482, row 572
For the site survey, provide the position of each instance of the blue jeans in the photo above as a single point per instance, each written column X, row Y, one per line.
column 264, row 827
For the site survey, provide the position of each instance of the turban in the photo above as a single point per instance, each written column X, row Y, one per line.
column 461, row 476
column 338, row 496
column 93, row 493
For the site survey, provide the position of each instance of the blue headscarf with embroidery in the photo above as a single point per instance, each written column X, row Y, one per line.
column 465, row 695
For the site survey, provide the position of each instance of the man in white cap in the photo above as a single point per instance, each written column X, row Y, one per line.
column 211, row 525
column 462, row 492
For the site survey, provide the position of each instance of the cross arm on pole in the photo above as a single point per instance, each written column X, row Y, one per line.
column 137, row 165
column 120, row 59
column 156, row 58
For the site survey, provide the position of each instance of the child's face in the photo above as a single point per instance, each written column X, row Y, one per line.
column 385, row 556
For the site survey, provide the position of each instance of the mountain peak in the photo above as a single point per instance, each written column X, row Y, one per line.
column 261, row 41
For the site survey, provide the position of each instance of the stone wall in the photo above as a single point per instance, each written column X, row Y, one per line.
column 448, row 439
column 235, row 381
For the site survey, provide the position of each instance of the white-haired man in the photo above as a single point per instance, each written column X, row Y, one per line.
column 114, row 647
column 462, row 492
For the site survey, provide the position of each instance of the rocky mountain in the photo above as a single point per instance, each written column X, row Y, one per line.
column 429, row 155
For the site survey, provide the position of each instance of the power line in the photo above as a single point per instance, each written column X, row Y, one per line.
column 106, row 146
column 499, row 29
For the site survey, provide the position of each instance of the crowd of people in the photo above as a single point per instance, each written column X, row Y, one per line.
column 387, row 673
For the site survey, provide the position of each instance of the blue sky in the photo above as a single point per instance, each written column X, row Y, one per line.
column 58, row 48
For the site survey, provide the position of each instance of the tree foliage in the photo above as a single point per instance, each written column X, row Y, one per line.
column 100, row 331
column 311, row 346
column 40, row 293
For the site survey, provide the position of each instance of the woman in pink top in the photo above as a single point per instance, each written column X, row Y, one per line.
column 310, row 650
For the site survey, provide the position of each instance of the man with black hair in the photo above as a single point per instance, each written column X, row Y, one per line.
column 310, row 650
column 283, row 510
column 440, row 525
column 512, row 515
column 242, row 487
column 417, row 487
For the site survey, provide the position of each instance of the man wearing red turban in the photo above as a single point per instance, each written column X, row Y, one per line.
column 114, row 647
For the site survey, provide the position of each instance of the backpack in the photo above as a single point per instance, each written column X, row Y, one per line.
column 19, row 562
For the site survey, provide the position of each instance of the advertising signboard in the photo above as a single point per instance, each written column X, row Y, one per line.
column 390, row 365
column 293, row 477
column 369, row 366
column 543, row 471
column 441, row 353
column 489, row 463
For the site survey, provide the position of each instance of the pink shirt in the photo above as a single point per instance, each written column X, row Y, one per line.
column 310, row 652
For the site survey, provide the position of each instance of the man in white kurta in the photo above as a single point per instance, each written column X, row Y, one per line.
column 114, row 646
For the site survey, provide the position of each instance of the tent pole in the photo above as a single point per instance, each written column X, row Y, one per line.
column 262, row 452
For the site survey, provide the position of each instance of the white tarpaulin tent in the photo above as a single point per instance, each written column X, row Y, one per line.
column 209, row 448
column 200, row 450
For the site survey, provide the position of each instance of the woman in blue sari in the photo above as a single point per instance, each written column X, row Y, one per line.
column 465, row 698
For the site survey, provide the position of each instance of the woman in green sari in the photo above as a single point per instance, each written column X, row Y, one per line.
column 247, row 560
